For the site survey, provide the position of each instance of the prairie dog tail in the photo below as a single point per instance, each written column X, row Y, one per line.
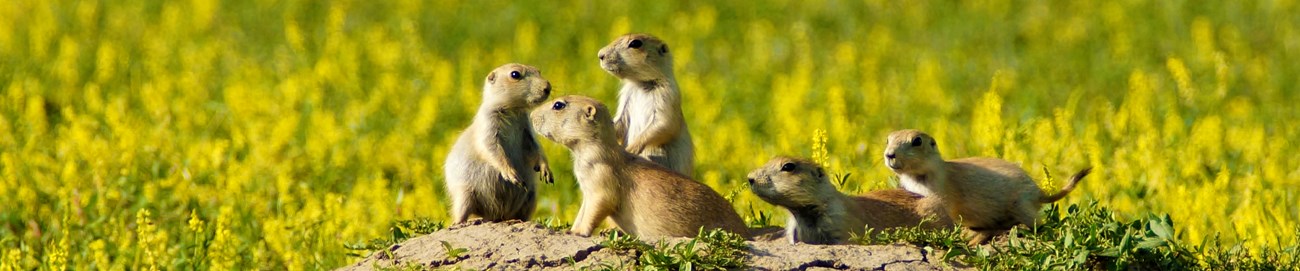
column 1069, row 186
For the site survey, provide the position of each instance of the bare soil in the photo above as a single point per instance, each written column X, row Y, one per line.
column 516, row 245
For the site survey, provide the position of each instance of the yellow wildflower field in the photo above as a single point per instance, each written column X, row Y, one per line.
column 268, row 134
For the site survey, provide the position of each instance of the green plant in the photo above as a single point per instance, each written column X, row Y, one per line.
column 453, row 252
column 948, row 240
column 758, row 218
column 709, row 250
column 1090, row 237
column 401, row 267
column 621, row 241
column 398, row 231
column 553, row 223
column 1219, row 256
column 720, row 250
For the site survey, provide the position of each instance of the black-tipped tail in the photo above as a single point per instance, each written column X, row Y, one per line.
column 1069, row 186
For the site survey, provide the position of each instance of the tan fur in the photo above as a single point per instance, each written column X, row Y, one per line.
column 649, row 120
column 820, row 214
column 491, row 169
column 989, row 196
column 640, row 197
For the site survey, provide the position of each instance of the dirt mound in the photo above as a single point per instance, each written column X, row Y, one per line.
column 517, row 245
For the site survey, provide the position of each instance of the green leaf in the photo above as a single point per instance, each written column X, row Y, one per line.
column 1080, row 257
column 1162, row 228
column 1150, row 243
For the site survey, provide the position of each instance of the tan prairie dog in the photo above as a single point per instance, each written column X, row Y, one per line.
column 988, row 196
column 490, row 171
column 820, row 214
column 641, row 197
column 649, row 120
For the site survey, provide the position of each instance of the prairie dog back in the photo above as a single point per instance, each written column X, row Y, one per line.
column 639, row 196
column 820, row 214
column 989, row 196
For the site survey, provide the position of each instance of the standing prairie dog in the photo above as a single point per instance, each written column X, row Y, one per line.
column 989, row 196
column 649, row 120
column 820, row 214
column 490, row 171
column 641, row 197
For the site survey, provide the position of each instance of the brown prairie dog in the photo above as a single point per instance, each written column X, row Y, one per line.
column 988, row 196
column 820, row 214
column 491, row 169
column 649, row 120
column 640, row 197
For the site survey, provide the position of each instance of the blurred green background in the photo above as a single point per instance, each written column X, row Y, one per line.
column 268, row 134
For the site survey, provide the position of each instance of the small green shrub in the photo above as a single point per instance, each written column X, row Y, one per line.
column 554, row 224
column 1091, row 237
column 709, row 250
column 399, row 231
column 758, row 218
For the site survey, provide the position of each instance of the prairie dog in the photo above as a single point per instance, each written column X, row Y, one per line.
column 649, row 120
column 490, row 171
column 641, row 197
column 989, row 196
column 820, row 214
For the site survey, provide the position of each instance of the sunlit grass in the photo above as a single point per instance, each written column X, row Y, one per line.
column 291, row 128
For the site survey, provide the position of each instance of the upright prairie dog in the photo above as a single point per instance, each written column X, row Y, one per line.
column 820, row 214
column 641, row 197
column 490, row 171
column 989, row 196
column 649, row 120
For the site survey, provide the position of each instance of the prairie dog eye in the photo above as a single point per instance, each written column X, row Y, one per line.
column 516, row 75
column 559, row 106
column 916, row 141
column 787, row 167
column 634, row 44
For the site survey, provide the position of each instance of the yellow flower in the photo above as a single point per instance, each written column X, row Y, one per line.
column 1179, row 71
column 99, row 256
column 221, row 253
column 57, row 257
column 12, row 261
column 819, row 152
column 986, row 124
column 147, row 238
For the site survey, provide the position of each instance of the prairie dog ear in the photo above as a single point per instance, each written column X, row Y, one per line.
column 492, row 77
column 590, row 112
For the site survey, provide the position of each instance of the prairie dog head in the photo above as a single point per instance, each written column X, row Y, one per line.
column 790, row 182
column 573, row 119
column 515, row 86
column 637, row 57
column 910, row 151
